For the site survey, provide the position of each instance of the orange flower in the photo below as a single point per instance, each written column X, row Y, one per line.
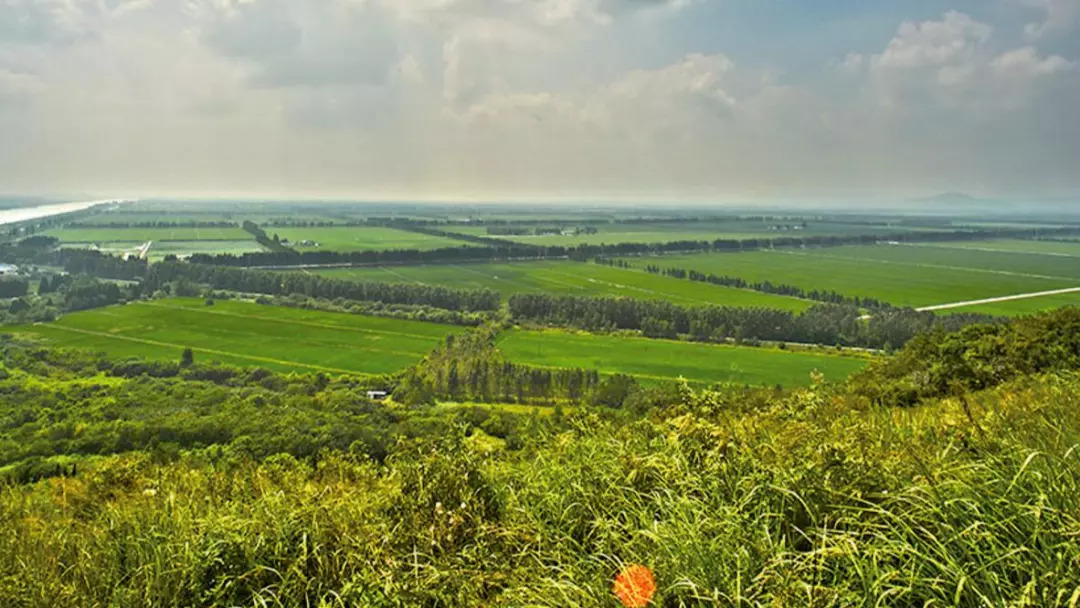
column 634, row 586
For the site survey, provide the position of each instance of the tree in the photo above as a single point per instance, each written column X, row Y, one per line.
column 614, row 390
column 187, row 358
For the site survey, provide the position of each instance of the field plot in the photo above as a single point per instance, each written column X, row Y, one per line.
column 903, row 275
column 1002, row 263
column 119, row 248
column 1022, row 306
column 160, row 249
column 667, row 360
column 1054, row 248
column 661, row 232
column 141, row 235
column 243, row 333
column 568, row 278
column 360, row 238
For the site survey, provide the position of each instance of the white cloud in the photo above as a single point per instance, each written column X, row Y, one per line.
column 1026, row 63
column 931, row 44
column 1060, row 17
column 299, row 43
column 59, row 21
column 954, row 63
column 460, row 97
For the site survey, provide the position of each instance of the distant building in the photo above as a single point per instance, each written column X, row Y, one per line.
column 376, row 395
column 8, row 269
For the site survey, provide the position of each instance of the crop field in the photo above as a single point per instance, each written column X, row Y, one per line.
column 248, row 334
column 1058, row 248
column 118, row 248
column 1004, row 263
column 141, row 235
column 360, row 238
column 160, row 249
column 1012, row 308
column 568, row 278
column 903, row 275
column 663, row 360
column 661, row 232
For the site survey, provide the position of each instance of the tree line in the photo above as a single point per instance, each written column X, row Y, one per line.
column 13, row 287
column 828, row 324
column 469, row 367
column 153, row 224
column 782, row 289
column 496, row 249
column 102, row 265
column 58, row 294
column 286, row 283
column 273, row 244
column 288, row 257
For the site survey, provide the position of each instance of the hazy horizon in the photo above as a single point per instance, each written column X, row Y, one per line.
column 596, row 101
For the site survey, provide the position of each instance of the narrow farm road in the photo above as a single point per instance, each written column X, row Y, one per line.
column 1019, row 296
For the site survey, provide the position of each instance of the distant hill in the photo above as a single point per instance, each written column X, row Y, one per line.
column 952, row 198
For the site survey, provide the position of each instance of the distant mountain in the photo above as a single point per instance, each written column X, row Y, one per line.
column 952, row 198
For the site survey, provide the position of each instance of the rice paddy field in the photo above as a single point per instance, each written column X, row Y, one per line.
column 664, row 360
column 661, row 232
column 160, row 249
column 1055, row 248
column 247, row 334
column 568, row 278
column 360, row 238
column 141, row 235
column 907, row 275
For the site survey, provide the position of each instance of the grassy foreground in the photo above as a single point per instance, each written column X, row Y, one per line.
column 805, row 501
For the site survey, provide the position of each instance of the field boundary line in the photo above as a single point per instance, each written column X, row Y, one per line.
column 200, row 349
column 923, row 265
column 732, row 287
column 401, row 276
column 292, row 322
column 1019, row 296
column 632, row 288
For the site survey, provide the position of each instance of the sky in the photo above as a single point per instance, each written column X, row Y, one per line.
column 662, row 100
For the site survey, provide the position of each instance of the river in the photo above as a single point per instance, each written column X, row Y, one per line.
column 22, row 214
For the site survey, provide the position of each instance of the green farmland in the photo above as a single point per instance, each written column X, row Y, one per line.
column 568, row 278
column 1030, row 246
column 141, row 235
column 248, row 334
column 360, row 238
column 160, row 249
column 902, row 275
column 663, row 360
column 662, row 232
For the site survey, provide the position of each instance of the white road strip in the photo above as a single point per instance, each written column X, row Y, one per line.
column 1019, row 296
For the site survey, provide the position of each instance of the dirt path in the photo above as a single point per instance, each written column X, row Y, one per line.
column 1019, row 296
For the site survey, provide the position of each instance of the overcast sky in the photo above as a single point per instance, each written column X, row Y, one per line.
column 534, row 99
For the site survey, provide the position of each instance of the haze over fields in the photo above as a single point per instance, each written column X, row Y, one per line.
column 670, row 100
